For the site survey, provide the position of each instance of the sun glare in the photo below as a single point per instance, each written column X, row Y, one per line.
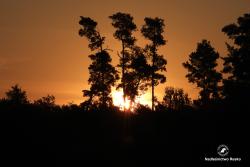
column 118, row 101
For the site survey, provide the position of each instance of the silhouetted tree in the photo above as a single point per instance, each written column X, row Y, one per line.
column 201, row 70
column 142, row 108
column 152, row 30
column 16, row 95
column 138, row 75
column 175, row 98
column 168, row 97
column 47, row 101
column 102, row 74
column 89, row 31
column 71, row 107
column 125, row 26
column 237, row 63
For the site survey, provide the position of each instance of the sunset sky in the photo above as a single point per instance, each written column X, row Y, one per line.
column 40, row 48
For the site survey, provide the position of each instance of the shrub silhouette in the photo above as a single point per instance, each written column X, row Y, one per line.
column 46, row 102
column 175, row 98
column 16, row 95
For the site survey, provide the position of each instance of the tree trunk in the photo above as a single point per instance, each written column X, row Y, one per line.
column 103, row 91
column 153, row 93
column 152, row 79
column 123, row 72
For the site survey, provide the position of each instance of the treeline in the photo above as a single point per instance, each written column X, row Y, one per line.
column 16, row 98
column 141, row 68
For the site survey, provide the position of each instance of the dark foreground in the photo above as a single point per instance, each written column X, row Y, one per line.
column 117, row 139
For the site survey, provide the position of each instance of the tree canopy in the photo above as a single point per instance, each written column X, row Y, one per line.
column 152, row 30
column 201, row 68
column 16, row 95
column 237, row 63
column 175, row 98
column 102, row 74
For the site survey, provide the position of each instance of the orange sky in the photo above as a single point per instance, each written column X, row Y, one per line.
column 40, row 48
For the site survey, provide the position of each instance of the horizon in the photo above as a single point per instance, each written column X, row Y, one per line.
column 42, row 52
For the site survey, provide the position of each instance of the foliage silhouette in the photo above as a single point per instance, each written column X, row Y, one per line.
column 237, row 63
column 125, row 26
column 138, row 75
column 152, row 30
column 102, row 74
column 89, row 31
column 201, row 70
column 47, row 101
column 175, row 98
column 71, row 136
column 16, row 95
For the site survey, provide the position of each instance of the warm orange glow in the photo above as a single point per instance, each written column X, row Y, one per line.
column 117, row 96
column 118, row 100
column 45, row 55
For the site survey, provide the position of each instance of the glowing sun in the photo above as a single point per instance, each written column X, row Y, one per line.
column 117, row 96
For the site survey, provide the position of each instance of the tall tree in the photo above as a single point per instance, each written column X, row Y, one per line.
column 152, row 30
column 237, row 63
column 201, row 70
column 125, row 27
column 102, row 74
